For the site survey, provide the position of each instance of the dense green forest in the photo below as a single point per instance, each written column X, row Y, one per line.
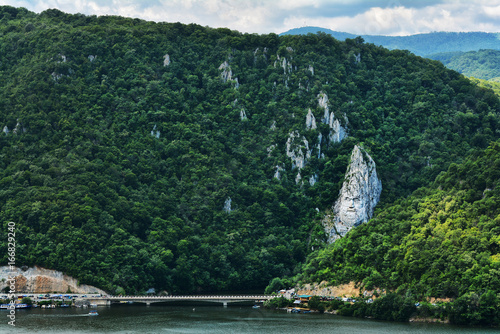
column 493, row 85
column 137, row 154
column 443, row 241
column 420, row 44
column 482, row 64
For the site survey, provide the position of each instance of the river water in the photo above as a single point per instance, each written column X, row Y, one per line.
column 207, row 319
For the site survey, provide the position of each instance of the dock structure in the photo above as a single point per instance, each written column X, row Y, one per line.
column 148, row 300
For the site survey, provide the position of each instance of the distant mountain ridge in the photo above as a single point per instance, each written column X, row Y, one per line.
column 482, row 64
column 420, row 44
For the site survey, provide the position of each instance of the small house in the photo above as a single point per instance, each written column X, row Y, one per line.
column 304, row 298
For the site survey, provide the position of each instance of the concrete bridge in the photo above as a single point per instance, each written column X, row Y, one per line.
column 224, row 300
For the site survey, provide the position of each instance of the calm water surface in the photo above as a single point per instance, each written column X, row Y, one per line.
column 206, row 319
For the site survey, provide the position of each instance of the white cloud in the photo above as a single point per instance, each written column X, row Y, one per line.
column 397, row 17
column 401, row 20
column 492, row 11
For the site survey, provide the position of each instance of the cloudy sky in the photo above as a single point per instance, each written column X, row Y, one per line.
column 374, row 17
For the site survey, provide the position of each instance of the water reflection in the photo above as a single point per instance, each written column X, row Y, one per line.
column 208, row 319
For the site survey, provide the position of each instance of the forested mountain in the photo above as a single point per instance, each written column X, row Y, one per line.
column 137, row 154
column 482, row 64
column 442, row 241
column 419, row 44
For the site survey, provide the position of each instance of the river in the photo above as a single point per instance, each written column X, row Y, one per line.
column 207, row 319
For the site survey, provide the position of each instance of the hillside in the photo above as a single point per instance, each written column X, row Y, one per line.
column 419, row 44
column 482, row 64
column 137, row 154
column 443, row 241
column 489, row 84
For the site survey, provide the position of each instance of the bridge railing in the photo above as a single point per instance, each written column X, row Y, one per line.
column 200, row 297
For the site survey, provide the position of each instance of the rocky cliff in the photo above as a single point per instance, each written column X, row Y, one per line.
column 358, row 197
column 41, row 280
column 337, row 131
column 297, row 149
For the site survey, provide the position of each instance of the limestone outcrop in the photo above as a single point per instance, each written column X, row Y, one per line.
column 297, row 149
column 310, row 120
column 41, row 280
column 227, row 205
column 313, row 179
column 323, row 103
column 311, row 69
column 320, row 138
column 19, row 127
column 227, row 73
column 155, row 133
column 337, row 131
column 166, row 60
column 358, row 197
column 243, row 115
column 277, row 173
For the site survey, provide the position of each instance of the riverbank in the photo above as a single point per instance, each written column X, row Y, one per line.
column 482, row 311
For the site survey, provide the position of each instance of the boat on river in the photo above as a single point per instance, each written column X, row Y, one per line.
column 23, row 306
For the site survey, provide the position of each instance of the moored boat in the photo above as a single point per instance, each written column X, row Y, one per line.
column 23, row 306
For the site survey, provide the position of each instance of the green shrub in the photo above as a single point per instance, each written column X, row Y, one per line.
column 393, row 307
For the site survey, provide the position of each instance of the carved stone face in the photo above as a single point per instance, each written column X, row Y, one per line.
column 359, row 194
column 352, row 205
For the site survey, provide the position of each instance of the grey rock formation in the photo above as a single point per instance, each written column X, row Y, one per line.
column 313, row 179
column 311, row 69
column 166, row 60
column 63, row 59
column 270, row 150
column 297, row 149
column 287, row 66
column 298, row 178
column 310, row 120
column 277, row 174
column 155, row 133
column 227, row 73
column 358, row 197
column 323, row 103
column 19, row 127
column 337, row 131
column 320, row 138
column 243, row 115
column 227, row 205
column 56, row 76
column 357, row 57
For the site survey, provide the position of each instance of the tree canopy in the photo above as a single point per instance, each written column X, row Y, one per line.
column 123, row 141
